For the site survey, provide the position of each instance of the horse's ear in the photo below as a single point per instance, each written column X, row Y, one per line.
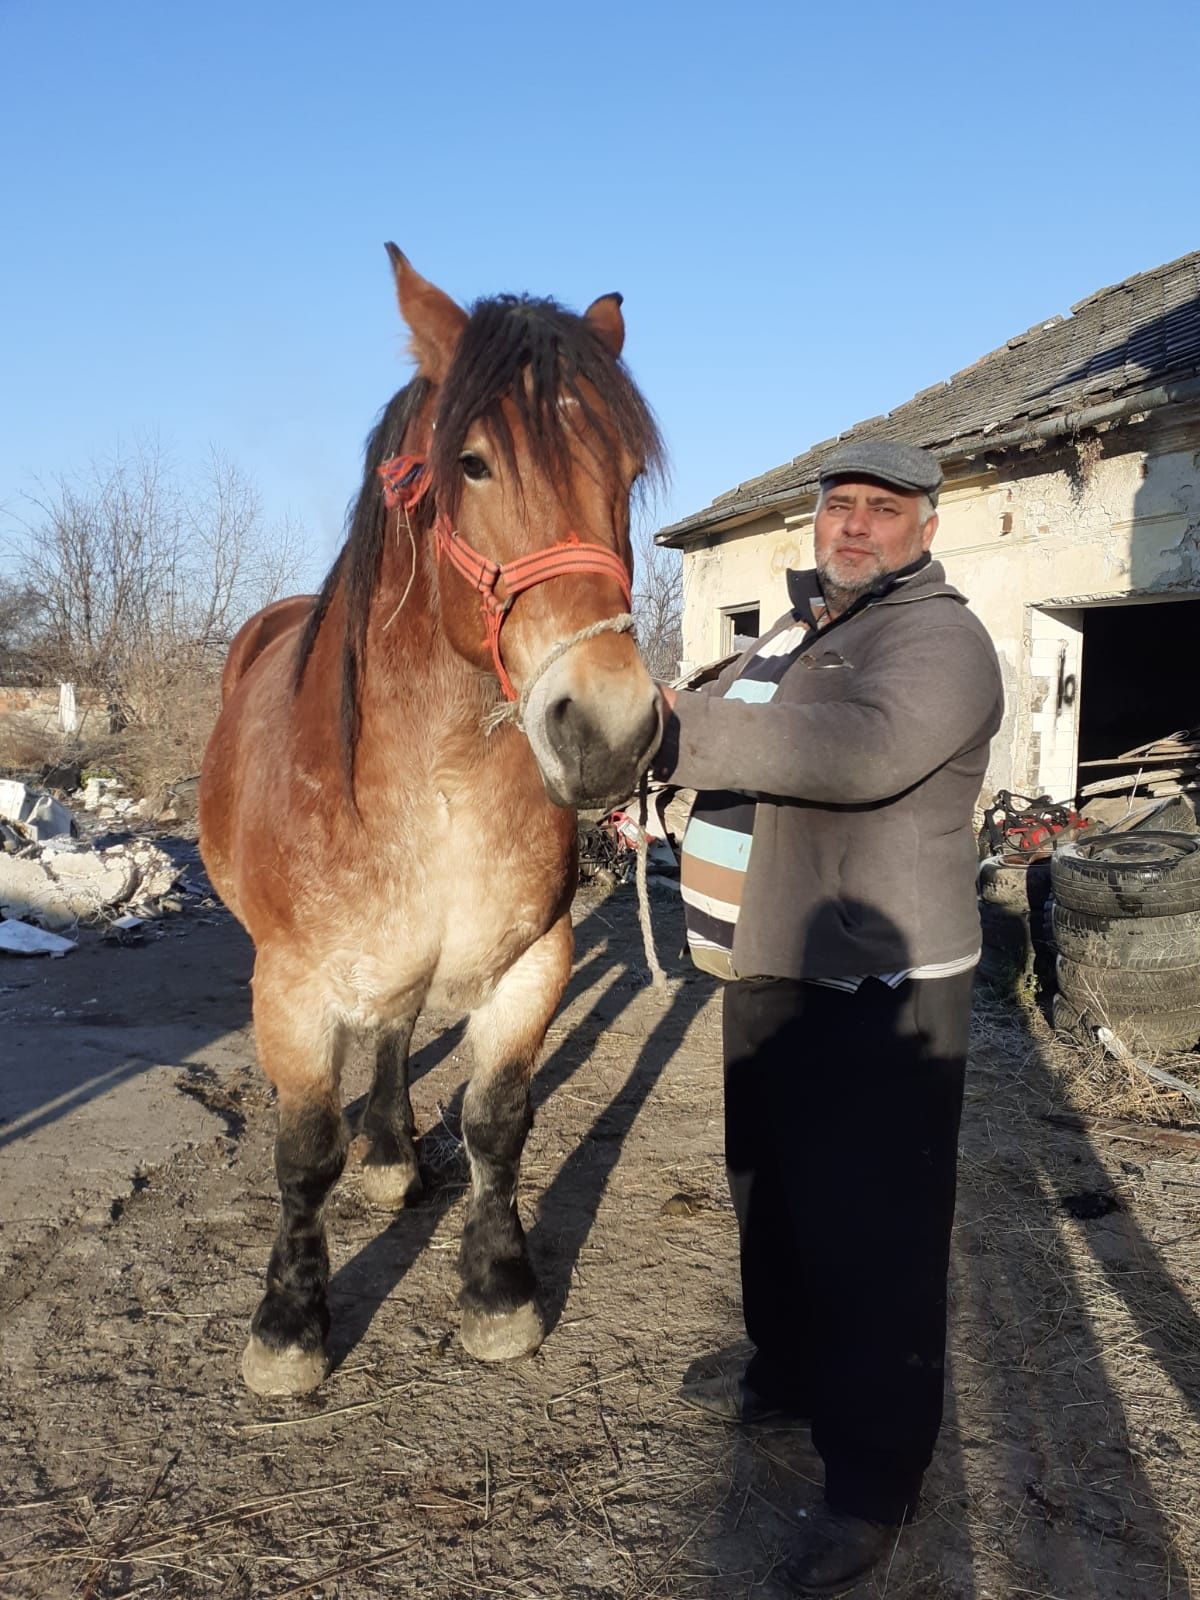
column 434, row 320
column 605, row 319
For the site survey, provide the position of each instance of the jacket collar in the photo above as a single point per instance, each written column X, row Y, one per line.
column 924, row 579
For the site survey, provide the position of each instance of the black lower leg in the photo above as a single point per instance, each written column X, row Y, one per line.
column 387, row 1119
column 496, row 1274
column 310, row 1152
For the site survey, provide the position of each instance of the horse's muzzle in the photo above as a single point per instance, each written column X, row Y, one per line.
column 592, row 747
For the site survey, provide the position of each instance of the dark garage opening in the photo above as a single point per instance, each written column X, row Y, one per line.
column 1141, row 675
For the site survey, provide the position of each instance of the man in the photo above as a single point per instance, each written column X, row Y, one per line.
column 828, row 876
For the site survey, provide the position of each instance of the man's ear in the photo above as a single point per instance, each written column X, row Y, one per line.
column 434, row 320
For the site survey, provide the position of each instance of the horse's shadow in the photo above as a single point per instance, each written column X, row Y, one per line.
column 359, row 1288
column 569, row 1204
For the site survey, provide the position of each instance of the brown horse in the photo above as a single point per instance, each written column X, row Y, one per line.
column 389, row 833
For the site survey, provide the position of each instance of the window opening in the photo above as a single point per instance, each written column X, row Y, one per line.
column 740, row 628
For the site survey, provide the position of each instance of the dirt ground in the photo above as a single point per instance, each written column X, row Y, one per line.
column 138, row 1210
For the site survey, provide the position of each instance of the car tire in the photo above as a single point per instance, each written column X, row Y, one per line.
column 1136, row 943
column 1005, row 928
column 1004, row 881
column 1120, row 990
column 1151, row 1033
column 1150, row 873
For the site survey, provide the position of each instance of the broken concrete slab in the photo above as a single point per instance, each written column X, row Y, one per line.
column 36, row 814
column 22, row 939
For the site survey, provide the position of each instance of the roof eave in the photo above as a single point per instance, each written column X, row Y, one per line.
column 964, row 450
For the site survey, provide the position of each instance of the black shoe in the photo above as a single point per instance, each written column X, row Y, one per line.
column 728, row 1396
column 835, row 1549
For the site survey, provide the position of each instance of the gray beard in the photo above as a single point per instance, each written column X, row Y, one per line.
column 840, row 598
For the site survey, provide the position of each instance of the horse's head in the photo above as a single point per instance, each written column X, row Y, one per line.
column 537, row 436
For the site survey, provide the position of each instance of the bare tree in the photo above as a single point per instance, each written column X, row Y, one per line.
column 144, row 575
column 658, row 606
column 20, row 615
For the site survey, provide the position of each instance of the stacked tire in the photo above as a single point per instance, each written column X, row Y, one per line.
column 1013, row 891
column 1125, row 915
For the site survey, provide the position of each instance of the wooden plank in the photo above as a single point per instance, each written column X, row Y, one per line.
column 1126, row 1128
column 1180, row 736
column 1181, row 754
column 1138, row 781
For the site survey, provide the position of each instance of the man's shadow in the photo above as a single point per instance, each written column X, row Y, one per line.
column 1019, row 1317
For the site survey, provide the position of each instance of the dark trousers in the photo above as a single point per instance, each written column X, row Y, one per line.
column 841, row 1137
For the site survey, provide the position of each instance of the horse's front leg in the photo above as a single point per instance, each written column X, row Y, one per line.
column 390, row 1176
column 300, row 1048
column 501, row 1318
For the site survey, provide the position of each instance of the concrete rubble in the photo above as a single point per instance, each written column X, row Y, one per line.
column 55, row 880
column 74, row 883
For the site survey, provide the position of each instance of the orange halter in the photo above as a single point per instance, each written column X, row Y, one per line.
column 406, row 481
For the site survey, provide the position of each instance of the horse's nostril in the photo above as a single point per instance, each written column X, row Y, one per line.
column 560, row 714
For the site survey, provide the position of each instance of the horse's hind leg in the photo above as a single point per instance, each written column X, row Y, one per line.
column 389, row 1172
column 500, row 1314
column 300, row 1050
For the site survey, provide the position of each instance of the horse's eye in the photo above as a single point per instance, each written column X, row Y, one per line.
column 474, row 467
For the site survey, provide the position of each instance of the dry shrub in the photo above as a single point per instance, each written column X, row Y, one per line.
column 26, row 747
column 131, row 580
column 173, row 698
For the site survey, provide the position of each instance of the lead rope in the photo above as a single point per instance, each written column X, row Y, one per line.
column 658, row 978
column 514, row 711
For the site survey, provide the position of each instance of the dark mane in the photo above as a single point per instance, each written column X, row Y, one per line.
column 358, row 561
column 537, row 354
column 534, row 353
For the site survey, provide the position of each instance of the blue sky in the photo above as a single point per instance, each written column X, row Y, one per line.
column 812, row 211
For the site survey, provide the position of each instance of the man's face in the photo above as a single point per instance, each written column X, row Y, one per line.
column 862, row 532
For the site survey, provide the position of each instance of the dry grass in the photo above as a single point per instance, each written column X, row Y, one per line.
column 1098, row 1082
column 1084, row 1076
column 25, row 747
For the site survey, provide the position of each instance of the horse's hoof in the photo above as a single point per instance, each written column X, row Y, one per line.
column 505, row 1335
column 392, row 1188
column 289, row 1371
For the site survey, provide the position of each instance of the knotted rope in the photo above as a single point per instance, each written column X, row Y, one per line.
column 514, row 710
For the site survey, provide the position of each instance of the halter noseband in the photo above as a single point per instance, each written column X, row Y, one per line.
column 406, row 482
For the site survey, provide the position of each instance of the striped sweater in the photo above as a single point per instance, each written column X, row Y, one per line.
column 720, row 833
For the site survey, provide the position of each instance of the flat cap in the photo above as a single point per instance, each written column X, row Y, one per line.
column 902, row 466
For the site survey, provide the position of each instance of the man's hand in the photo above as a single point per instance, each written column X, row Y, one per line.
column 669, row 696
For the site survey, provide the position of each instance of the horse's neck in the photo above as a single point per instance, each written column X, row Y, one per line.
column 411, row 668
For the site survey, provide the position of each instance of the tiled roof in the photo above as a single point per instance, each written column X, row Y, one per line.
column 1135, row 336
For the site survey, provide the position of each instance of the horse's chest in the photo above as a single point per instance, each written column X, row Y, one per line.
column 502, row 877
column 461, row 893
